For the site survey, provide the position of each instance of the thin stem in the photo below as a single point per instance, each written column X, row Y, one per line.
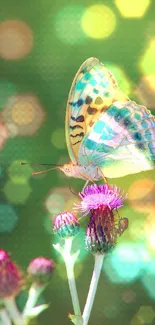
column 4, row 317
column 92, row 288
column 34, row 293
column 13, row 311
column 70, row 274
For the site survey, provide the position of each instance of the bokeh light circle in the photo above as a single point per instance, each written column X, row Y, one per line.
column 23, row 114
column 141, row 195
column 17, row 193
column 122, row 79
column 18, row 173
column 3, row 134
column 124, row 264
column 58, row 138
column 132, row 8
column 68, row 24
column 16, row 39
column 59, row 199
column 98, row 21
column 8, row 218
column 6, row 89
column 146, row 63
column 145, row 91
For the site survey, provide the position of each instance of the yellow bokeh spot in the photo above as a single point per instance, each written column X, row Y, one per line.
column 151, row 81
column 149, row 227
column 132, row 8
column 98, row 21
column 23, row 112
column 145, row 91
column 142, row 195
column 147, row 61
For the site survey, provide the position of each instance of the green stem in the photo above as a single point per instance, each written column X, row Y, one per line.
column 69, row 262
column 13, row 311
column 92, row 288
column 4, row 317
column 34, row 293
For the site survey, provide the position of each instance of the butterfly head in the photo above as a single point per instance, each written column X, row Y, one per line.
column 67, row 169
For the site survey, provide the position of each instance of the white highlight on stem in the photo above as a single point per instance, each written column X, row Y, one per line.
column 4, row 317
column 92, row 288
column 13, row 311
column 34, row 293
column 69, row 262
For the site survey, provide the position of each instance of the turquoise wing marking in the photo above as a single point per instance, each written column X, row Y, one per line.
column 125, row 132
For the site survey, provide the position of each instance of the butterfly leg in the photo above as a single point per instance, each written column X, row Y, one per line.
column 87, row 180
column 105, row 179
column 86, row 183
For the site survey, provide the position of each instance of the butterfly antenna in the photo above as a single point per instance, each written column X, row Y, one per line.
column 24, row 163
column 44, row 171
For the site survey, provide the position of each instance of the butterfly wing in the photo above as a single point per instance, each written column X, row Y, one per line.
column 93, row 90
column 121, row 142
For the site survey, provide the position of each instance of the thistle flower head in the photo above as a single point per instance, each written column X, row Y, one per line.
column 66, row 225
column 95, row 196
column 11, row 277
column 104, row 225
column 40, row 269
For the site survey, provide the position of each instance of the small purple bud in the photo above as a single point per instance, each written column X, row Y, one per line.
column 40, row 269
column 11, row 277
column 66, row 225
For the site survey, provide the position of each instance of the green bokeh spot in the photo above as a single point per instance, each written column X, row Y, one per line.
column 19, row 173
column 68, row 24
column 8, row 218
column 123, row 82
column 7, row 89
column 17, row 193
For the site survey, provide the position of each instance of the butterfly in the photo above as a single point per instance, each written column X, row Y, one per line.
column 107, row 134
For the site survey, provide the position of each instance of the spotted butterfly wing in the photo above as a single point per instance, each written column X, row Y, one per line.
column 93, row 90
column 104, row 128
column 122, row 141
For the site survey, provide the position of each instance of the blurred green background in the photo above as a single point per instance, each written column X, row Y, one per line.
column 42, row 45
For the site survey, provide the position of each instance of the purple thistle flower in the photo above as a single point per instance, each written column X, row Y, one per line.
column 40, row 269
column 95, row 196
column 104, row 226
column 11, row 277
column 66, row 225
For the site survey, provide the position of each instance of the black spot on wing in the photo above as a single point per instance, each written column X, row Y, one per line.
column 88, row 100
column 77, row 135
column 76, row 142
column 91, row 110
column 80, row 102
column 137, row 136
column 80, row 118
column 76, row 127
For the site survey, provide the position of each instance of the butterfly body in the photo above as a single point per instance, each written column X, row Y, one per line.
column 89, row 172
column 107, row 134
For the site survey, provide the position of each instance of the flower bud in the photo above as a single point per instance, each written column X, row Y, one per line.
column 40, row 269
column 11, row 277
column 66, row 225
